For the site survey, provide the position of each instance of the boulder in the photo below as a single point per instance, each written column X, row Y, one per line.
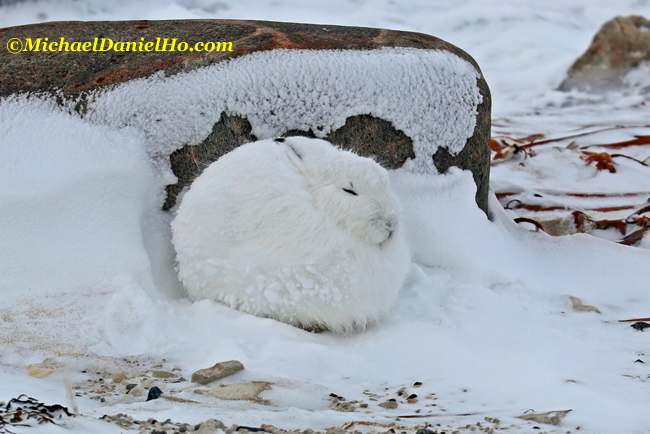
column 620, row 45
column 76, row 78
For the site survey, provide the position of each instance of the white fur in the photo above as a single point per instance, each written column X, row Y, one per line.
column 268, row 229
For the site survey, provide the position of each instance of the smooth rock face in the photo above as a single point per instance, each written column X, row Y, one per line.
column 240, row 391
column 220, row 370
column 620, row 45
column 73, row 76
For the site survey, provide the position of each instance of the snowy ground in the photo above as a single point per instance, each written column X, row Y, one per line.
column 485, row 322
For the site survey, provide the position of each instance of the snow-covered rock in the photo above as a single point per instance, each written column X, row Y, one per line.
column 346, row 84
column 621, row 45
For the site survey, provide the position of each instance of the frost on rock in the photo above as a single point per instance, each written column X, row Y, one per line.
column 317, row 90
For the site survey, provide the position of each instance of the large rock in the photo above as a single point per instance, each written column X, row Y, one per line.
column 620, row 45
column 77, row 76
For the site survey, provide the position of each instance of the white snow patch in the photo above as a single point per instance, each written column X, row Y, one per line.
column 639, row 78
column 79, row 219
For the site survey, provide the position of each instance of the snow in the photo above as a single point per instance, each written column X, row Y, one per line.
column 485, row 320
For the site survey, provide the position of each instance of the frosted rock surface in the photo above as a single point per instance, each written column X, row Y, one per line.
column 281, row 90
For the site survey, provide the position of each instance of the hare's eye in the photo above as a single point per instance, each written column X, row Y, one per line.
column 352, row 192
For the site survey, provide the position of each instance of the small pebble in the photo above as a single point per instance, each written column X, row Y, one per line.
column 389, row 404
column 154, row 393
column 118, row 377
column 37, row 372
column 123, row 421
column 163, row 374
column 216, row 372
column 211, row 426
column 640, row 326
column 148, row 383
column 417, row 384
column 136, row 391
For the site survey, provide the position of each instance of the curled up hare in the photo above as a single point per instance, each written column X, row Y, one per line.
column 296, row 230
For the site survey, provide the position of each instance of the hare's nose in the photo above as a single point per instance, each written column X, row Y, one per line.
column 391, row 225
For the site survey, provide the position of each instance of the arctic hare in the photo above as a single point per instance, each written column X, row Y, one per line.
column 294, row 229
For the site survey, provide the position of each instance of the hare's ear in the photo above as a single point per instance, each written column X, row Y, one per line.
column 294, row 155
